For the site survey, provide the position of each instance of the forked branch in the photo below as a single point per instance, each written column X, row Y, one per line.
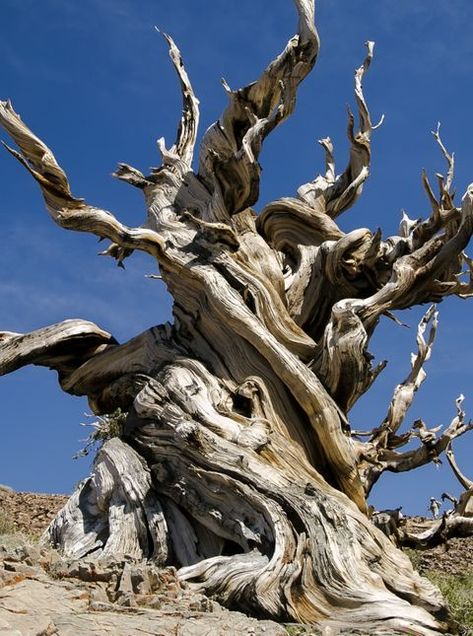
column 181, row 153
column 386, row 435
column 187, row 131
column 66, row 210
column 377, row 460
column 444, row 213
column 340, row 193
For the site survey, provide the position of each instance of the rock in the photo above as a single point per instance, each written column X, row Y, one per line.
column 202, row 604
column 101, row 606
column 49, row 631
column 76, row 600
column 126, row 599
column 27, row 571
column 87, row 571
column 7, row 489
column 149, row 600
column 143, row 579
column 99, row 595
column 125, row 586
column 32, row 554
column 10, row 578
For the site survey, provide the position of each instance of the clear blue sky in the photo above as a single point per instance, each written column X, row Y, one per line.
column 93, row 79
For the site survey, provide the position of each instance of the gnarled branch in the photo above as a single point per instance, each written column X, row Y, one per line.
column 385, row 435
column 66, row 210
column 230, row 148
column 339, row 193
column 464, row 481
column 376, row 459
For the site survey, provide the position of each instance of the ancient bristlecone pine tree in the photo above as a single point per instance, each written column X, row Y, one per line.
column 237, row 463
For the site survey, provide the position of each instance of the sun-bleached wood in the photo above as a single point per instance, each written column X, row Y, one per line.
column 237, row 463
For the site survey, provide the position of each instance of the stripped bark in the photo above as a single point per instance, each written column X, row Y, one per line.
column 236, row 462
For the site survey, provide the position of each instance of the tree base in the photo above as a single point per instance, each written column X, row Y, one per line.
column 287, row 554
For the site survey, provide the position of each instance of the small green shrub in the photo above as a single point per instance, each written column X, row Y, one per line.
column 296, row 630
column 104, row 427
column 458, row 591
column 6, row 524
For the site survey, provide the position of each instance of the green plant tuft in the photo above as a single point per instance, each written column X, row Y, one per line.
column 458, row 591
column 104, row 427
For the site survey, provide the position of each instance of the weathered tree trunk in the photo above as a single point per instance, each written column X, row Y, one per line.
column 237, row 462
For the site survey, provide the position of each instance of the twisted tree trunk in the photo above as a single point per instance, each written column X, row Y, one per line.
column 236, row 461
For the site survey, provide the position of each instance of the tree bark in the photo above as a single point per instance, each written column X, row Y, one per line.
column 236, row 462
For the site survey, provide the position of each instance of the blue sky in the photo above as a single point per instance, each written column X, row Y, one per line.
column 94, row 81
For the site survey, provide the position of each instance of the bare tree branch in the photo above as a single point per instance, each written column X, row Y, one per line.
column 450, row 158
column 464, row 481
column 66, row 210
column 447, row 528
column 404, row 393
column 340, row 193
column 424, row 275
column 230, row 148
column 444, row 213
column 179, row 156
column 377, row 459
column 183, row 147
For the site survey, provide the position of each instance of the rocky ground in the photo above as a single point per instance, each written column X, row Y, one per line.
column 42, row 594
